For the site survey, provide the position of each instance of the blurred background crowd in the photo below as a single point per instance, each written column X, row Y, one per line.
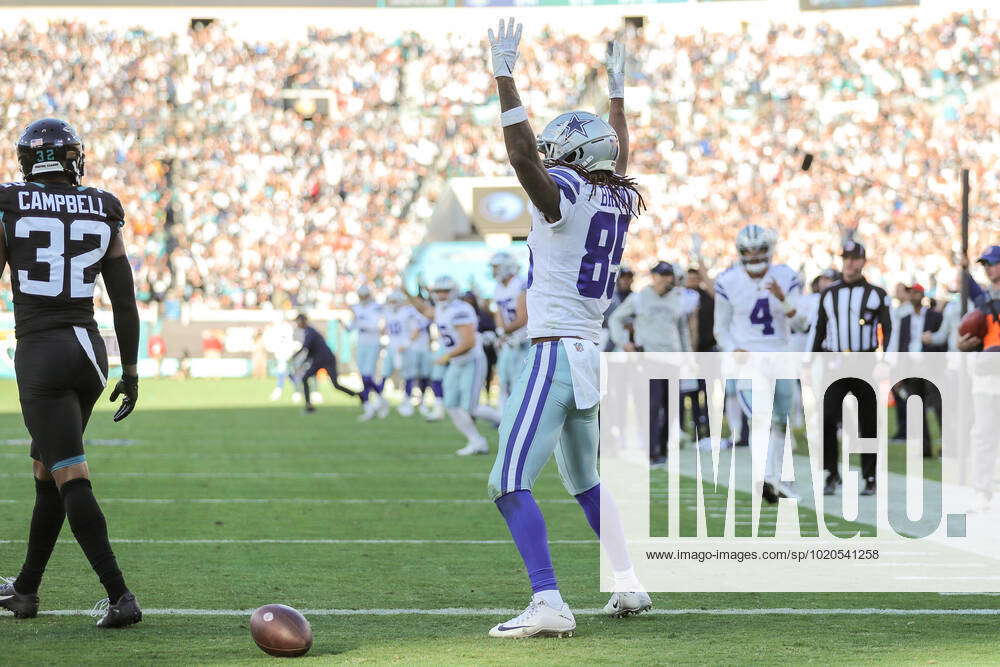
column 286, row 174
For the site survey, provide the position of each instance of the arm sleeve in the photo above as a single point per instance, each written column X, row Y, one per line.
column 120, row 286
column 723, row 322
column 819, row 329
column 616, row 322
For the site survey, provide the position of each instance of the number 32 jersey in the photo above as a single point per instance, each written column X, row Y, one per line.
column 56, row 237
column 574, row 260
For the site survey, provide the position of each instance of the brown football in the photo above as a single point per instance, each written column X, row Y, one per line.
column 973, row 324
column 281, row 631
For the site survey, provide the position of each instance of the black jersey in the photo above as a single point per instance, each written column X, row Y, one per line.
column 56, row 237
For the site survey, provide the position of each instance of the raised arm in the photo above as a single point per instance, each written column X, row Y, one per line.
column 522, row 148
column 616, row 92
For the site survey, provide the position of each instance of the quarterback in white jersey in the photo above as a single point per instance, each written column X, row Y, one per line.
column 581, row 206
column 367, row 322
column 755, row 302
column 510, row 299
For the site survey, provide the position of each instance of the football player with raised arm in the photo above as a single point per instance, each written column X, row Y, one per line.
column 581, row 206
column 58, row 236
column 463, row 360
column 755, row 302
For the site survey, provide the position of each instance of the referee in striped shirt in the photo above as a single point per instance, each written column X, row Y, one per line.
column 851, row 314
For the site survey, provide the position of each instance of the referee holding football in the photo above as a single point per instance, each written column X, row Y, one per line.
column 851, row 312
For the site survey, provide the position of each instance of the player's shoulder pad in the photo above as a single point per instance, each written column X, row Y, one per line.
column 8, row 192
column 111, row 204
column 568, row 181
column 789, row 276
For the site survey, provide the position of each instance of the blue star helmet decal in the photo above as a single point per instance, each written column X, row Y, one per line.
column 575, row 125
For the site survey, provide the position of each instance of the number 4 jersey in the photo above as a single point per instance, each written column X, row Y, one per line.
column 56, row 237
column 757, row 321
column 574, row 260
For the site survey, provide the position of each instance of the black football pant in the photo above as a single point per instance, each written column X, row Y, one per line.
column 60, row 375
column 330, row 366
column 832, row 421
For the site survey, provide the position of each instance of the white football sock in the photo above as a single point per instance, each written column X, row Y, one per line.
column 488, row 413
column 552, row 598
column 463, row 422
column 627, row 582
column 613, row 535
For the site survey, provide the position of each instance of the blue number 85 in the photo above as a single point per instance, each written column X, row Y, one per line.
column 605, row 245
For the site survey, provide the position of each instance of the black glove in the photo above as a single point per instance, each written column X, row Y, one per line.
column 128, row 389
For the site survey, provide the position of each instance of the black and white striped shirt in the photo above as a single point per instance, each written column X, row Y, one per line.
column 849, row 317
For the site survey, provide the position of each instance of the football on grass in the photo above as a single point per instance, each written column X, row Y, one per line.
column 973, row 324
column 281, row 631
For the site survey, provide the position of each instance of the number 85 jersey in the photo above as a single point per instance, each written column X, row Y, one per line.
column 574, row 260
column 56, row 237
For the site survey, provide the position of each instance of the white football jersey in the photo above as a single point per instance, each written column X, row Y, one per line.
column 415, row 321
column 758, row 323
column 367, row 322
column 574, row 261
column 397, row 327
column 506, row 297
column 448, row 316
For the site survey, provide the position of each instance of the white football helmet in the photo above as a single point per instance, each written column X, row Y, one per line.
column 504, row 266
column 444, row 284
column 580, row 138
column 364, row 293
column 396, row 298
column 755, row 246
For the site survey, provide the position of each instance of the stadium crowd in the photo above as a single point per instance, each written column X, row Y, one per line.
column 280, row 174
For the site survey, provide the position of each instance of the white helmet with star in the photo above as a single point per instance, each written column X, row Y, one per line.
column 755, row 244
column 580, row 138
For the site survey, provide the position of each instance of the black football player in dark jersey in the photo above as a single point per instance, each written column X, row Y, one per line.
column 58, row 235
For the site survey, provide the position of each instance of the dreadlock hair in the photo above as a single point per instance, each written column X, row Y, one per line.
column 618, row 185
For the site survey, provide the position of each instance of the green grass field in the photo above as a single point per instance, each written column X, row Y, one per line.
column 213, row 464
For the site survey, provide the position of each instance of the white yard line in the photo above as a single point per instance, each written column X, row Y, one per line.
column 466, row 611
column 312, row 541
column 271, row 475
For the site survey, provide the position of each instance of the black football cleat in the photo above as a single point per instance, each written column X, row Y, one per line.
column 22, row 606
column 309, row 409
column 768, row 493
column 832, row 482
column 122, row 614
column 869, row 489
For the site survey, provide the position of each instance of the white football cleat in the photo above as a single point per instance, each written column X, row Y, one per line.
column 276, row 393
column 435, row 413
column 367, row 412
column 474, row 447
column 538, row 620
column 405, row 409
column 424, row 409
column 382, row 408
column 628, row 604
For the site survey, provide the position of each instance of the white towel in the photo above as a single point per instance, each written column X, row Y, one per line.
column 585, row 368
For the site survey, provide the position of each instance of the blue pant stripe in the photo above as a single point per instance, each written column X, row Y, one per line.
column 512, row 438
column 539, row 408
column 65, row 463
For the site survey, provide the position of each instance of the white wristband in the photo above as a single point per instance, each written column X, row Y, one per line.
column 513, row 116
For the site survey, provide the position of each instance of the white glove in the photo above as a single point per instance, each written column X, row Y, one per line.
column 616, row 70
column 503, row 46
